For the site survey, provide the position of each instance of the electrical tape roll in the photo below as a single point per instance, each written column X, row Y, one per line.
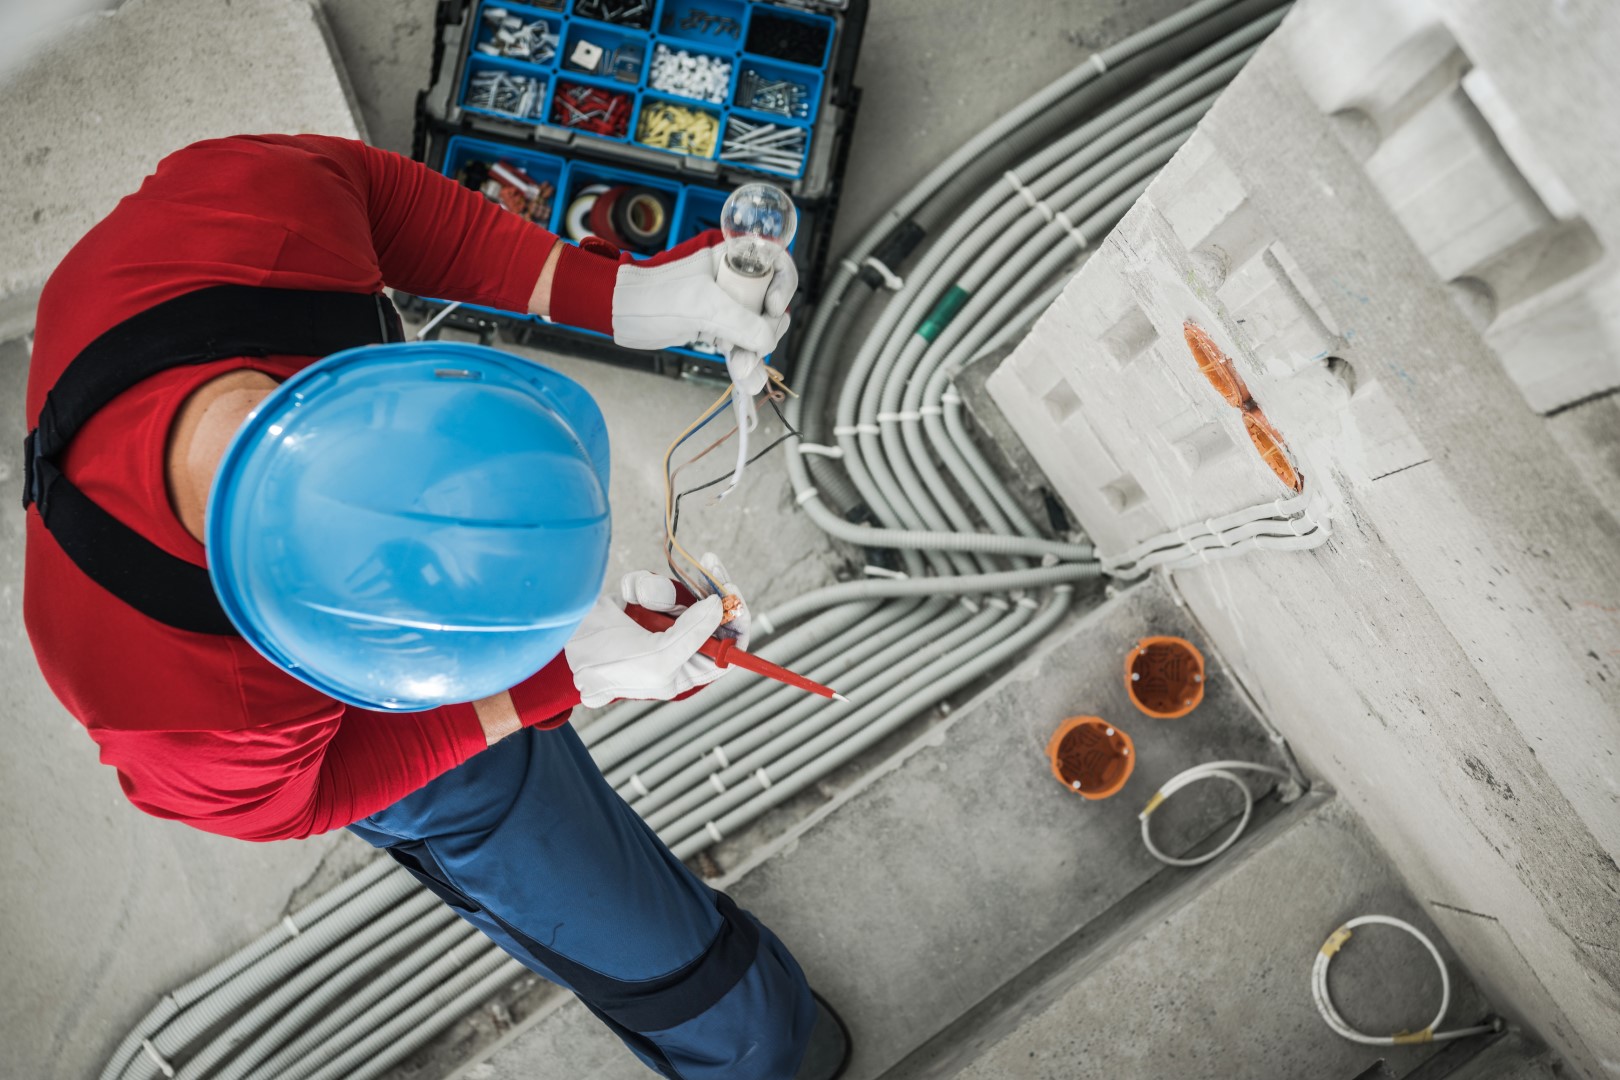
column 642, row 217
column 602, row 218
column 576, row 221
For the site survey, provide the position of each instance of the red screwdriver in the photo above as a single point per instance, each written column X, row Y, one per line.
column 724, row 653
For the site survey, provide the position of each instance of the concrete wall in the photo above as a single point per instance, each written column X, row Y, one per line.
column 1400, row 226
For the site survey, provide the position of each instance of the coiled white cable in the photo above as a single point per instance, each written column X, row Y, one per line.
column 1324, row 1003
column 1212, row 770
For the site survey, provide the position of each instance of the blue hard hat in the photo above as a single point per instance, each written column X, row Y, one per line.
column 406, row 526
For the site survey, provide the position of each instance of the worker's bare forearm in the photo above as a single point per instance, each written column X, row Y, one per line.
column 540, row 299
column 498, row 716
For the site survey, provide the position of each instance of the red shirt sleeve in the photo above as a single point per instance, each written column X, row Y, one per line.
column 202, row 729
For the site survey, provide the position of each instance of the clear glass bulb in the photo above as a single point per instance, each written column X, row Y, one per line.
column 757, row 220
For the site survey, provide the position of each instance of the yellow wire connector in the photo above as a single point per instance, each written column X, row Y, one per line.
column 1335, row 941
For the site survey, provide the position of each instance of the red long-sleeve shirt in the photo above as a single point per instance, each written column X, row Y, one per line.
column 201, row 728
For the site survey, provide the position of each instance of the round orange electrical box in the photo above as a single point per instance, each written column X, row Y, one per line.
column 1273, row 451
column 1090, row 756
column 1165, row 676
column 1216, row 365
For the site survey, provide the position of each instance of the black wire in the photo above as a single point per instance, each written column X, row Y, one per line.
column 675, row 517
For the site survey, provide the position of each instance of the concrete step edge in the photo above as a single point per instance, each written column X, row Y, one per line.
column 1093, row 946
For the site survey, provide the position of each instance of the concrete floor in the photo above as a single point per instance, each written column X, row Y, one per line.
column 107, row 908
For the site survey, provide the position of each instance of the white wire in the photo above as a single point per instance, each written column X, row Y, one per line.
column 1212, row 770
column 1324, row 1002
column 427, row 327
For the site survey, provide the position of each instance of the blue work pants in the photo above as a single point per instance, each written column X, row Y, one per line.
column 530, row 844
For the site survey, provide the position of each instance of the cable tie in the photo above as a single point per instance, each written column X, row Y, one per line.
column 889, row 417
column 868, row 429
column 157, row 1059
column 1097, row 61
column 1080, row 238
column 891, row 281
column 809, row 449
column 718, row 784
column 885, row 572
column 292, row 927
column 850, row 264
column 720, row 756
column 762, row 623
column 806, row 495
column 1028, row 602
column 714, row 831
column 847, row 429
column 1335, row 941
column 1050, row 559
column 637, row 786
column 968, row 603
column 998, row 603
column 930, row 410
column 1063, row 587
column 950, row 397
column 763, row 777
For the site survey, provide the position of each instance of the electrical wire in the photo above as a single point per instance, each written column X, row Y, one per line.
column 1324, row 1001
column 1212, row 770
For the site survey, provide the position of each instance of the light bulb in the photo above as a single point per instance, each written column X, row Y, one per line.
column 757, row 220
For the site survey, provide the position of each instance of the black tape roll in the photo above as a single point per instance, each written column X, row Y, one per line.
column 643, row 217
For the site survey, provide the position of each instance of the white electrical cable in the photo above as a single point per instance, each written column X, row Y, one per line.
column 1324, row 1001
column 1212, row 770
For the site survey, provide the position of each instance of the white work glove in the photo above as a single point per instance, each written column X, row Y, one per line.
column 614, row 658
column 674, row 299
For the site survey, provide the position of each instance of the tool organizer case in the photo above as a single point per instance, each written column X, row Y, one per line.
column 457, row 129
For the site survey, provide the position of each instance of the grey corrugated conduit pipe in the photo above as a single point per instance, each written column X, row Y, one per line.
column 786, row 648
column 841, row 744
column 329, row 975
column 247, row 957
column 663, row 773
column 249, row 1018
column 762, row 746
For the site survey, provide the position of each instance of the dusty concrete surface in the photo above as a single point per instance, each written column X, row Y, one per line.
column 951, row 868
column 112, row 93
column 1213, row 983
column 1448, row 659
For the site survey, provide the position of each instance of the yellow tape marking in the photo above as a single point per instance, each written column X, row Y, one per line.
column 1411, row 1038
column 1153, row 803
column 1335, row 942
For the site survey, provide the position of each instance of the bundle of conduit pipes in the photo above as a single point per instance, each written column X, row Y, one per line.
column 363, row 976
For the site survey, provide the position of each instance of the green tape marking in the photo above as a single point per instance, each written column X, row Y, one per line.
column 943, row 313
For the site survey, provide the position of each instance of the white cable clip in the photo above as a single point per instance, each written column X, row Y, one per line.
column 885, row 572
column 950, row 397
column 763, row 777
column 806, row 495
column 637, row 786
column 292, row 927
column 810, row 449
column 998, row 603
column 762, row 623
column 718, row 784
column 845, row 430
column 1028, row 602
column 1097, row 61
column 868, row 429
column 714, row 831
column 720, row 756
column 1018, row 185
column 157, row 1059
column 891, row 281
column 1075, row 233
column 930, row 410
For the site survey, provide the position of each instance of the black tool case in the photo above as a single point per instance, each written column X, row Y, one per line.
column 656, row 107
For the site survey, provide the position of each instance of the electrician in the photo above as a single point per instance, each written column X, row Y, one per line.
column 294, row 575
